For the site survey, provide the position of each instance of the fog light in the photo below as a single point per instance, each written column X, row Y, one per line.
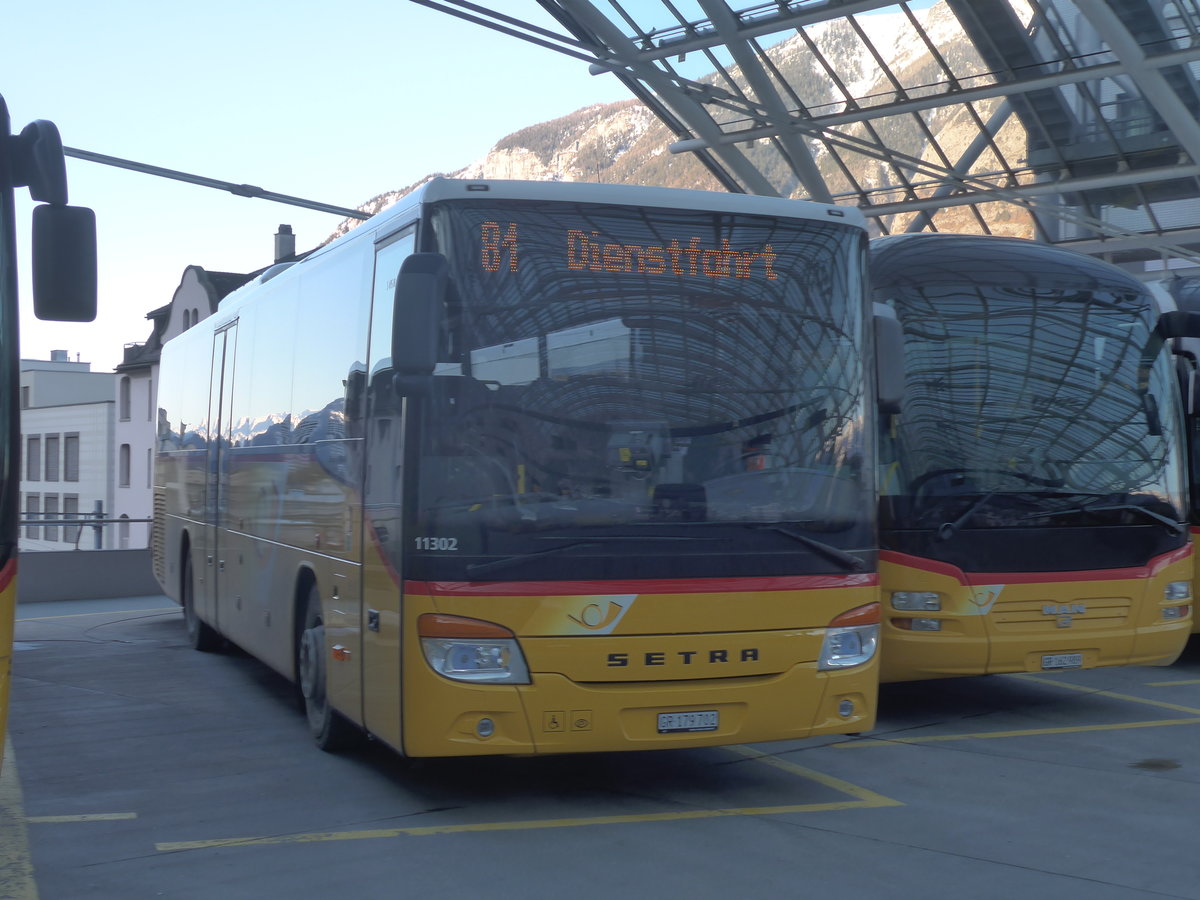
column 486, row 728
column 846, row 709
column 1176, row 612
column 918, row 624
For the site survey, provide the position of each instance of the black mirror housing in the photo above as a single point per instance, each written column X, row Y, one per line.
column 64, row 263
column 420, row 298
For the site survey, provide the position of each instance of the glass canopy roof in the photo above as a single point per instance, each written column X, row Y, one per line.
column 1075, row 123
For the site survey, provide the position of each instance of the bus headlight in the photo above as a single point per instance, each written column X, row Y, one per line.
column 851, row 638
column 916, row 601
column 472, row 650
column 1176, row 591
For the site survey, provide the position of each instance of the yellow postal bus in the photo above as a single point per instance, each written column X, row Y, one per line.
column 64, row 289
column 1033, row 491
column 526, row 468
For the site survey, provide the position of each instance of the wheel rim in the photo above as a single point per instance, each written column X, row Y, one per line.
column 312, row 674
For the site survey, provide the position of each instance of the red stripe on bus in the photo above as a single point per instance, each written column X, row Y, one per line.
column 656, row 586
column 1153, row 567
column 8, row 573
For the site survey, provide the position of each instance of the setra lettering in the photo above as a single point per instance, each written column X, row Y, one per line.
column 684, row 657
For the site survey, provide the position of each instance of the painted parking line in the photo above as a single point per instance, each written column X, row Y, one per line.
column 1032, row 732
column 16, row 868
column 84, row 817
column 1112, row 695
column 1015, row 733
column 859, row 798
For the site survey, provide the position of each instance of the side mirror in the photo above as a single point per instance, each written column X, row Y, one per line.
column 64, row 263
column 420, row 298
column 1178, row 323
column 889, row 359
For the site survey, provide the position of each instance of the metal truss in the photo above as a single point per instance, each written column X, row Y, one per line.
column 1073, row 121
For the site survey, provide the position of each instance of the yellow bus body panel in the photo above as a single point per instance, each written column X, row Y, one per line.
column 1195, row 579
column 1009, row 622
column 603, row 666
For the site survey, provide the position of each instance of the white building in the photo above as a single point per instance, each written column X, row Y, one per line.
column 67, row 465
column 135, row 431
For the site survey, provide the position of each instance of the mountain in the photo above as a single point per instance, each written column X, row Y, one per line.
column 624, row 143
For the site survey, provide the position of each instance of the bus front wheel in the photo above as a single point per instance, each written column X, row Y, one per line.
column 329, row 728
column 201, row 636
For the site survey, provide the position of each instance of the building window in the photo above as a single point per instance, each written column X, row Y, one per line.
column 71, row 511
column 52, row 442
column 150, row 400
column 149, row 468
column 123, row 532
column 33, row 458
column 49, row 512
column 124, row 466
column 124, row 399
column 33, row 512
column 71, row 457
column 25, row 396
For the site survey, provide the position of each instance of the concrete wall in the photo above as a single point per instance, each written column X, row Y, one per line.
column 84, row 575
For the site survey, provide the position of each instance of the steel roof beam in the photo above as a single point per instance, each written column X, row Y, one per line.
column 708, row 40
column 694, row 116
column 965, row 95
column 752, row 71
column 1145, row 72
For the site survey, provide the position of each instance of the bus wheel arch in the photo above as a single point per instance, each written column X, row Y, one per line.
column 331, row 731
column 201, row 636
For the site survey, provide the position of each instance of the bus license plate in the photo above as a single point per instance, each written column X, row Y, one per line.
column 706, row 720
column 1062, row 661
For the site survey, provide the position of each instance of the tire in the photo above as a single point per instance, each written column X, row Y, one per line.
column 200, row 636
column 331, row 731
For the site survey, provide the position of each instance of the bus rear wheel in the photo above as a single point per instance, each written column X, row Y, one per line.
column 329, row 729
column 200, row 636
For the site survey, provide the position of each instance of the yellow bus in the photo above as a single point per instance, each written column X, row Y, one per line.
column 540, row 468
column 64, row 289
column 1033, row 490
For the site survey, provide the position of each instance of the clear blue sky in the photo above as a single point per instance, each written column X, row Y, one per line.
column 330, row 102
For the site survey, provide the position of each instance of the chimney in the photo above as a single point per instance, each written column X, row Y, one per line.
column 285, row 244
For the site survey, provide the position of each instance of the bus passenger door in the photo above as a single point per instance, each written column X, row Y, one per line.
column 383, row 508
column 219, row 397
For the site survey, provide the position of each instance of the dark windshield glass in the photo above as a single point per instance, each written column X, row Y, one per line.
column 1035, row 390
column 636, row 393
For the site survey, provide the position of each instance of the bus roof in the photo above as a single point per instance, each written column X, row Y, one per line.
column 439, row 190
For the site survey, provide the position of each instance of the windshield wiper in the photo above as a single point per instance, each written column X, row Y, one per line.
column 1175, row 527
column 506, row 561
column 836, row 554
column 947, row 529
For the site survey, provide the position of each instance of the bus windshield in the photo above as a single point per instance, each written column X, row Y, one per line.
column 645, row 393
column 1034, row 398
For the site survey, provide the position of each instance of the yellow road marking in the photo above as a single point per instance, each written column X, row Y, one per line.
column 864, row 799
column 16, row 869
column 84, row 817
column 1172, row 683
column 1026, row 732
column 1084, row 689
